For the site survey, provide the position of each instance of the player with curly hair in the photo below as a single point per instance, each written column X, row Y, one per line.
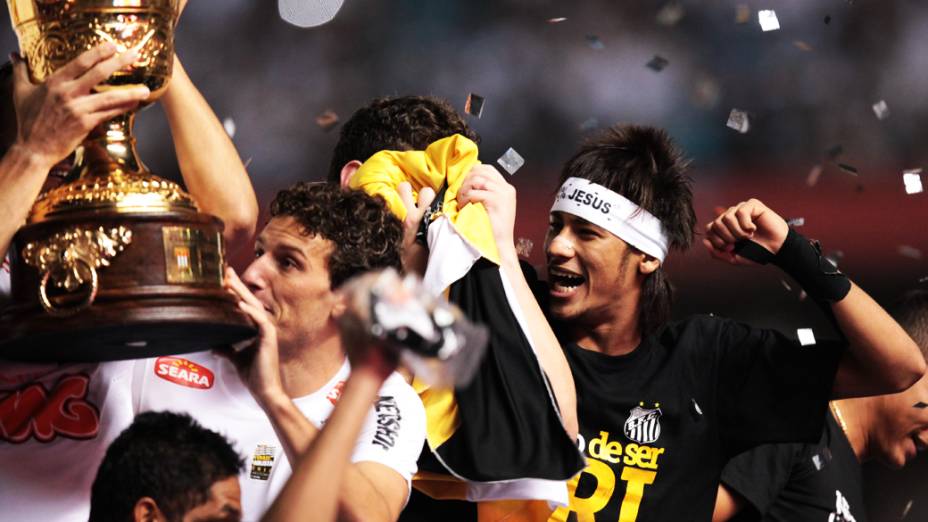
column 273, row 396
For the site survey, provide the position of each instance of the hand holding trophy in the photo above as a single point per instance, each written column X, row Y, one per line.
column 116, row 263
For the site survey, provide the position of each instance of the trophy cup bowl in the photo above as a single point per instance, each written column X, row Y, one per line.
column 116, row 263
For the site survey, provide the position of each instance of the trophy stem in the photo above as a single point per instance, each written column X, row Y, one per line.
column 109, row 151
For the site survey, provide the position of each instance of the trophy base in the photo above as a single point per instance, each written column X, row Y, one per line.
column 103, row 286
column 113, row 331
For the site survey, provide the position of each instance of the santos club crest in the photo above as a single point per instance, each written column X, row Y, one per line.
column 644, row 424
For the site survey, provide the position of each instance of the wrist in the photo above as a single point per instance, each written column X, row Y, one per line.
column 802, row 260
column 28, row 159
column 273, row 399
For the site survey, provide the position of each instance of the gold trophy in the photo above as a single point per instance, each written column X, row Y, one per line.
column 116, row 263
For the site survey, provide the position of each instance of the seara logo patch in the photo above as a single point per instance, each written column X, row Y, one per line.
column 183, row 372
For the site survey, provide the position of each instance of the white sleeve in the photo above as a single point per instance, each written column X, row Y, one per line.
column 394, row 431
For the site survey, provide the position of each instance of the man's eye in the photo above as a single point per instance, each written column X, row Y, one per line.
column 258, row 253
column 288, row 263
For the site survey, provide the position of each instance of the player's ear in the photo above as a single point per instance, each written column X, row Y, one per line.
column 348, row 170
column 147, row 510
column 648, row 264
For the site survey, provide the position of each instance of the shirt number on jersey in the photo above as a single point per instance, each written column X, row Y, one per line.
column 33, row 411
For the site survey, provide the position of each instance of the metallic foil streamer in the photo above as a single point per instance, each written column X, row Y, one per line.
column 806, row 337
column 511, row 161
column 474, row 105
column 912, row 179
column 738, row 120
column 768, row 20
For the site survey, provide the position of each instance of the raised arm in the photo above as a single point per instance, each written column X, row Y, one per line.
column 486, row 185
column 367, row 491
column 881, row 358
column 211, row 167
column 51, row 120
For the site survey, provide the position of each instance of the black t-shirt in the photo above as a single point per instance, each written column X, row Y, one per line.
column 659, row 423
column 800, row 482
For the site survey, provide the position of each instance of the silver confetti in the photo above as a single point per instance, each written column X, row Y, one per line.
column 802, row 46
column 524, row 247
column 474, row 105
column 229, row 125
column 786, row 285
column 589, row 124
column 881, row 110
column 511, row 161
column 796, row 222
column 912, row 179
column 696, row 407
column 850, row 169
column 658, row 63
column 768, row 20
column 739, row 121
column 806, row 337
column 327, row 120
column 818, row 462
column 557, row 20
column 908, row 507
column 814, row 174
column 594, row 42
column 670, row 14
column 909, row 251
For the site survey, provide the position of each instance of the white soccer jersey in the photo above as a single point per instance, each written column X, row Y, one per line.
column 56, row 422
column 207, row 386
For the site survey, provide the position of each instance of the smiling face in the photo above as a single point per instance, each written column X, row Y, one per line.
column 589, row 270
column 290, row 276
column 900, row 430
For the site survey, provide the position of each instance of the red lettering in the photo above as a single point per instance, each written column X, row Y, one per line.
column 34, row 412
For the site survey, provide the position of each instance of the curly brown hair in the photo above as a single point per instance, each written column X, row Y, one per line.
column 396, row 123
column 366, row 235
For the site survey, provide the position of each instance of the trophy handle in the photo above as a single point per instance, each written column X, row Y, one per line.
column 69, row 310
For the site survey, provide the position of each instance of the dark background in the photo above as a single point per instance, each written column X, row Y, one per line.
column 809, row 87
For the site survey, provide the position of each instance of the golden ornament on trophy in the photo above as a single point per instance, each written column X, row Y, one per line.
column 116, row 263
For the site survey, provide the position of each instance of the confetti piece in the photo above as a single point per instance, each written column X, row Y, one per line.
column 818, row 462
column 658, row 63
column 557, row 20
column 589, row 124
column 908, row 507
column 670, row 14
column 327, row 120
column 742, row 14
column 768, row 20
column 229, row 125
column 594, row 42
column 813, row 176
column 803, row 295
column 881, row 110
column 696, row 408
column 786, row 285
column 796, row 222
column 923, row 279
column 827, row 19
column 806, row 337
column 912, row 179
column 850, row 169
column 738, row 120
column 247, row 162
column 920, row 405
column 524, row 247
column 909, row 251
column 474, row 105
column 511, row 161
column 802, row 46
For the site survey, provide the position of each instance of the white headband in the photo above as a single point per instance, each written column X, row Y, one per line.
column 613, row 212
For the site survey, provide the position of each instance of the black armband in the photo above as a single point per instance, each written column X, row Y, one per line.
column 802, row 260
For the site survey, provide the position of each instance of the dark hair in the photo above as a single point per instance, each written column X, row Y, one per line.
column 366, row 235
column 166, row 456
column 400, row 123
column 643, row 164
column 911, row 311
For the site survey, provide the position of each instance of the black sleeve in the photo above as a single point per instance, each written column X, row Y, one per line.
column 770, row 388
column 760, row 474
